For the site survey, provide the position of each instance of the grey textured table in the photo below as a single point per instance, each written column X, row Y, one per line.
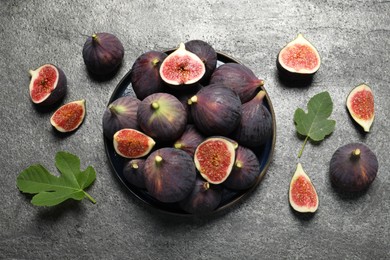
column 353, row 38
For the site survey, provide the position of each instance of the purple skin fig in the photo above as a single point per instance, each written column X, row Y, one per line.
column 353, row 167
column 239, row 78
column 162, row 116
column 203, row 199
column 133, row 172
column 216, row 110
column 103, row 53
column 245, row 170
column 169, row 174
column 120, row 114
column 145, row 76
column 255, row 127
column 189, row 140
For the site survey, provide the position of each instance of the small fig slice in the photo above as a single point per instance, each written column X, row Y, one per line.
column 131, row 143
column 189, row 140
column 69, row 117
column 133, row 171
column 302, row 194
column 214, row 159
column 48, row 84
column 360, row 104
column 182, row 67
column 353, row 167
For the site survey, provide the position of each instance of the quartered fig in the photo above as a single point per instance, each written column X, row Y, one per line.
column 48, row 84
column 182, row 67
column 353, row 167
column 145, row 75
column 360, row 104
column 169, row 174
column 133, row 172
column 121, row 113
column 189, row 140
column 214, row 159
column 131, row 143
column 162, row 116
column 239, row 78
column 302, row 194
column 216, row 110
column 69, row 117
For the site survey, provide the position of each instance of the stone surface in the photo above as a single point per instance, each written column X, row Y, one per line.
column 353, row 38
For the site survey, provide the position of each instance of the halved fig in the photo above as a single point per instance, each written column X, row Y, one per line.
column 360, row 104
column 214, row 159
column 133, row 171
column 182, row 67
column 48, row 84
column 302, row 194
column 131, row 143
column 189, row 140
column 69, row 117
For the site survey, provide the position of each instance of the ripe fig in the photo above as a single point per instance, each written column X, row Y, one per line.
column 360, row 104
column 189, row 140
column 298, row 59
column 145, row 75
column 353, row 167
column 245, row 170
column 255, row 126
column 48, row 85
column 131, row 143
column 239, row 78
column 69, row 117
column 121, row 113
column 203, row 199
column 214, row 159
column 133, row 171
column 302, row 194
column 162, row 116
column 103, row 53
column 182, row 68
column 169, row 174
column 216, row 110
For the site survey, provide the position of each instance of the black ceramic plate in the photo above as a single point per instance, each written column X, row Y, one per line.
column 264, row 153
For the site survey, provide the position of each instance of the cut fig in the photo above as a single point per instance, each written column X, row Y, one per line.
column 48, row 85
column 131, row 143
column 69, row 117
column 189, row 140
column 182, row 67
column 302, row 194
column 360, row 104
column 133, row 171
column 353, row 167
column 214, row 159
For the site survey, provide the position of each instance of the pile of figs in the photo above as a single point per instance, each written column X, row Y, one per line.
column 193, row 131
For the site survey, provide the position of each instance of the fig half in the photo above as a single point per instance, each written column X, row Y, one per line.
column 69, row 117
column 131, row 143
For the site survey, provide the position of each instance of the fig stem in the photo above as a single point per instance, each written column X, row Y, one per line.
column 90, row 198
column 155, row 61
column 95, row 38
column 192, row 100
column 155, row 105
column 116, row 109
column 238, row 164
column 158, row 159
column 303, row 146
column 31, row 72
column 134, row 165
column 356, row 153
column 178, row 145
column 206, row 185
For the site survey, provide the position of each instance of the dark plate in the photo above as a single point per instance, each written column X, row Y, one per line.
column 264, row 153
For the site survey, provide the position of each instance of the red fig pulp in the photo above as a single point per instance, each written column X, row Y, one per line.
column 69, row 117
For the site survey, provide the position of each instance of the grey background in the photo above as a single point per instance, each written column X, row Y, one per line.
column 353, row 39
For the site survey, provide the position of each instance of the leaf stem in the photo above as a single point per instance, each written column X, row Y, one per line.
column 303, row 146
column 90, row 197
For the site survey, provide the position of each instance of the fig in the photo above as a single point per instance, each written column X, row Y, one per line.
column 298, row 59
column 189, row 140
column 182, row 68
column 48, row 84
column 133, row 172
column 245, row 170
column 360, row 104
column 120, row 114
column 214, row 159
column 169, row 174
column 302, row 194
column 216, row 110
column 255, row 126
column 69, row 117
column 131, row 143
column 103, row 53
column 203, row 199
column 353, row 167
column 239, row 78
column 145, row 75
column 162, row 116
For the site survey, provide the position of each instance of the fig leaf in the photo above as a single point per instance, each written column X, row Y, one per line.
column 315, row 123
column 51, row 190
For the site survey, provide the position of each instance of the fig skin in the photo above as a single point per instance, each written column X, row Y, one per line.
column 169, row 174
column 353, row 167
column 69, row 117
column 145, row 76
column 132, row 144
column 120, row 114
column 189, row 140
column 133, row 172
column 239, row 78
